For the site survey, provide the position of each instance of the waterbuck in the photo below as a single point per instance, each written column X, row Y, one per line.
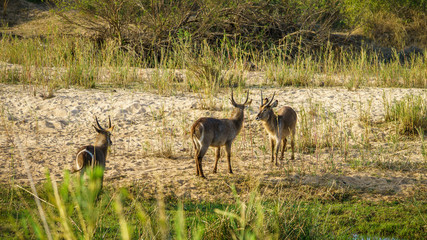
column 215, row 132
column 95, row 155
column 279, row 126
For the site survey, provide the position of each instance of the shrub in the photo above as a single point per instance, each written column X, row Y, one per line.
column 151, row 25
column 390, row 23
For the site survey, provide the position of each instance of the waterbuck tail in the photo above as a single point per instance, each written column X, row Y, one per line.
column 197, row 134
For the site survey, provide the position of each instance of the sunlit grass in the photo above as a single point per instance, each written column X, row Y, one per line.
column 410, row 114
column 58, row 61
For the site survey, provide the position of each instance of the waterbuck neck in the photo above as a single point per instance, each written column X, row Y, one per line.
column 237, row 118
column 101, row 142
column 271, row 122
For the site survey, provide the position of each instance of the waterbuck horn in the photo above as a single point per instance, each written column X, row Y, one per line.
column 99, row 126
column 262, row 99
column 247, row 97
column 232, row 99
column 109, row 122
column 271, row 99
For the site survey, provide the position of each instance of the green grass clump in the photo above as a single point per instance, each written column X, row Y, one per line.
column 378, row 220
column 319, row 129
column 11, row 76
column 410, row 114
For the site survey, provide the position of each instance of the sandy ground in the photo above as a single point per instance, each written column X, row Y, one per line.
column 152, row 150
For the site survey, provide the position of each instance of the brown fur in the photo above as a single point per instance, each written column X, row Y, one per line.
column 99, row 151
column 215, row 132
column 279, row 126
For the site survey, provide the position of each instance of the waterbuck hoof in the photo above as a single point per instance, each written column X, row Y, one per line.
column 214, row 171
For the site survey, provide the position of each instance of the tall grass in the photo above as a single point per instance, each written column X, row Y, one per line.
column 320, row 129
column 410, row 114
column 58, row 61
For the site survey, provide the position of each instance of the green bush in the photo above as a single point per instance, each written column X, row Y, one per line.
column 394, row 23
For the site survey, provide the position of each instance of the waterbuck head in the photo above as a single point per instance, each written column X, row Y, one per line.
column 104, row 135
column 239, row 107
column 266, row 108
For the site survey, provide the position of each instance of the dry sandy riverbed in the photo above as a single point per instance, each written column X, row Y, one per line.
column 152, row 148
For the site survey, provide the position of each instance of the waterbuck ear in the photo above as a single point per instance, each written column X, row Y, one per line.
column 248, row 103
column 111, row 128
column 274, row 104
column 264, row 101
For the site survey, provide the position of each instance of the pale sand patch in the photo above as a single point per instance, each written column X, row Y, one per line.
column 151, row 144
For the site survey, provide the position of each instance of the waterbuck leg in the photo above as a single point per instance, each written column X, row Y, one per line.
column 196, row 155
column 200, row 156
column 292, row 146
column 228, row 150
column 284, row 141
column 272, row 144
column 200, row 168
column 217, row 156
column 277, row 149
column 196, row 159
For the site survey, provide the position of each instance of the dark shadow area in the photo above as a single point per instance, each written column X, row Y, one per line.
column 384, row 186
column 15, row 12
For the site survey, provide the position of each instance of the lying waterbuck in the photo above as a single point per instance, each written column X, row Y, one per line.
column 95, row 155
column 279, row 126
column 214, row 132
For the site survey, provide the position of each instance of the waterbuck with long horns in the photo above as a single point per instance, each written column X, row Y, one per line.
column 94, row 155
column 215, row 132
column 279, row 126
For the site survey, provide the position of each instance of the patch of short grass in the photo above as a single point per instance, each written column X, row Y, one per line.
column 401, row 220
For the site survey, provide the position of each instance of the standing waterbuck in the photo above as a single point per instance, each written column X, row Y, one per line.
column 279, row 126
column 95, row 155
column 215, row 132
